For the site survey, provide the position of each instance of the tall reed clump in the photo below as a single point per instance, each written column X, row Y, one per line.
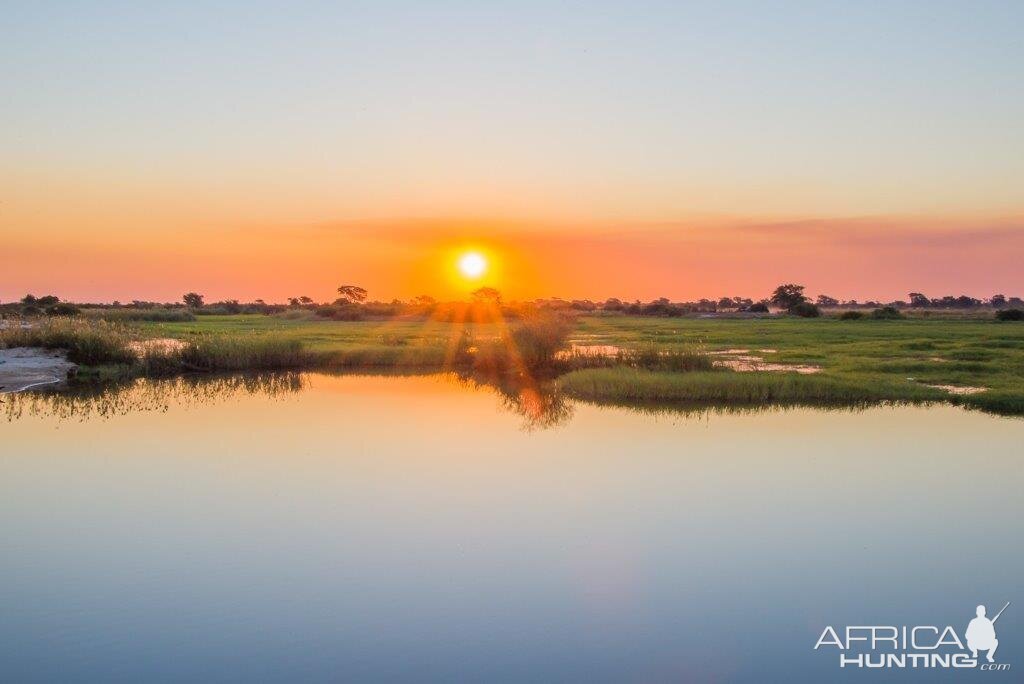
column 216, row 353
column 538, row 338
column 530, row 344
column 628, row 385
column 652, row 357
column 649, row 357
column 86, row 341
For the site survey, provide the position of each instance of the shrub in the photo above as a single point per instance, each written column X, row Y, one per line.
column 676, row 360
column 759, row 307
column 63, row 310
column 886, row 313
column 214, row 353
column 526, row 345
column 539, row 337
column 341, row 312
column 851, row 315
column 804, row 310
column 1010, row 315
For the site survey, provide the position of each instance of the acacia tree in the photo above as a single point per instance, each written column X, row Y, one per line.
column 918, row 300
column 352, row 293
column 487, row 294
column 826, row 301
column 787, row 296
column 193, row 300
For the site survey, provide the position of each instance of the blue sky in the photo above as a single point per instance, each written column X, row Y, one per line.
column 206, row 117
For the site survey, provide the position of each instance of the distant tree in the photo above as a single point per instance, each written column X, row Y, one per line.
column 997, row 301
column 787, row 296
column 826, row 301
column 918, row 300
column 487, row 294
column 726, row 303
column 613, row 304
column 1015, row 302
column 48, row 300
column 758, row 307
column 352, row 293
column 28, row 300
column 62, row 310
column 305, row 301
column 886, row 313
column 424, row 300
column 193, row 300
column 804, row 310
column 293, row 301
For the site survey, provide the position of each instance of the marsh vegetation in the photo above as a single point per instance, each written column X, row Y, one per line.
column 849, row 357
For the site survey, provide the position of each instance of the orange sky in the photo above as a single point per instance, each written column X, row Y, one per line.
column 878, row 258
column 688, row 150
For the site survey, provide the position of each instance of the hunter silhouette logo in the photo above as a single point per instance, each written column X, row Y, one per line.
column 981, row 634
column 917, row 646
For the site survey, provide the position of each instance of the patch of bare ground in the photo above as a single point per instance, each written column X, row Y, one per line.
column 958, row 389
column 743, row 361
column 22, row 368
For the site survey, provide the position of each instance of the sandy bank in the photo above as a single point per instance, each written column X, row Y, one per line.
column 22, row 368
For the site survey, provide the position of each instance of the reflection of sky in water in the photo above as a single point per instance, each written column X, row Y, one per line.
column 409, row 527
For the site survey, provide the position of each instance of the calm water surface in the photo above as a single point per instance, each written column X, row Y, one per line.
column 325, row 528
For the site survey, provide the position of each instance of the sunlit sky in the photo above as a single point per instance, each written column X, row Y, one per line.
column 590, row 149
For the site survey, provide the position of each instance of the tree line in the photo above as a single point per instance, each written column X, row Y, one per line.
column 352, row 304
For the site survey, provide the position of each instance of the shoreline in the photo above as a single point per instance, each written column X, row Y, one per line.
column 23, row 368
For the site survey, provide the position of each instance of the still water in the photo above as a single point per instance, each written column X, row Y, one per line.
column 318, row 528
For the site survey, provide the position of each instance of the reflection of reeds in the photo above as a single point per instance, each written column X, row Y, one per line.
column 542, row 405
column 83, row 402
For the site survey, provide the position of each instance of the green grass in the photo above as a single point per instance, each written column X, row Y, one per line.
column 157, row 314
column 637, row 386
column 661, row 359
column 859, row 358
column 351, row 340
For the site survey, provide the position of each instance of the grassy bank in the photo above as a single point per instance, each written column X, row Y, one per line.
column 107, row 350
column 615, row 359
column 631, row 386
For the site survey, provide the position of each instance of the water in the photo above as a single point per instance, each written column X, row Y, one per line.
column 317, row 528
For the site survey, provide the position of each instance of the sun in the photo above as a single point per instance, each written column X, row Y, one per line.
column 472, row 264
